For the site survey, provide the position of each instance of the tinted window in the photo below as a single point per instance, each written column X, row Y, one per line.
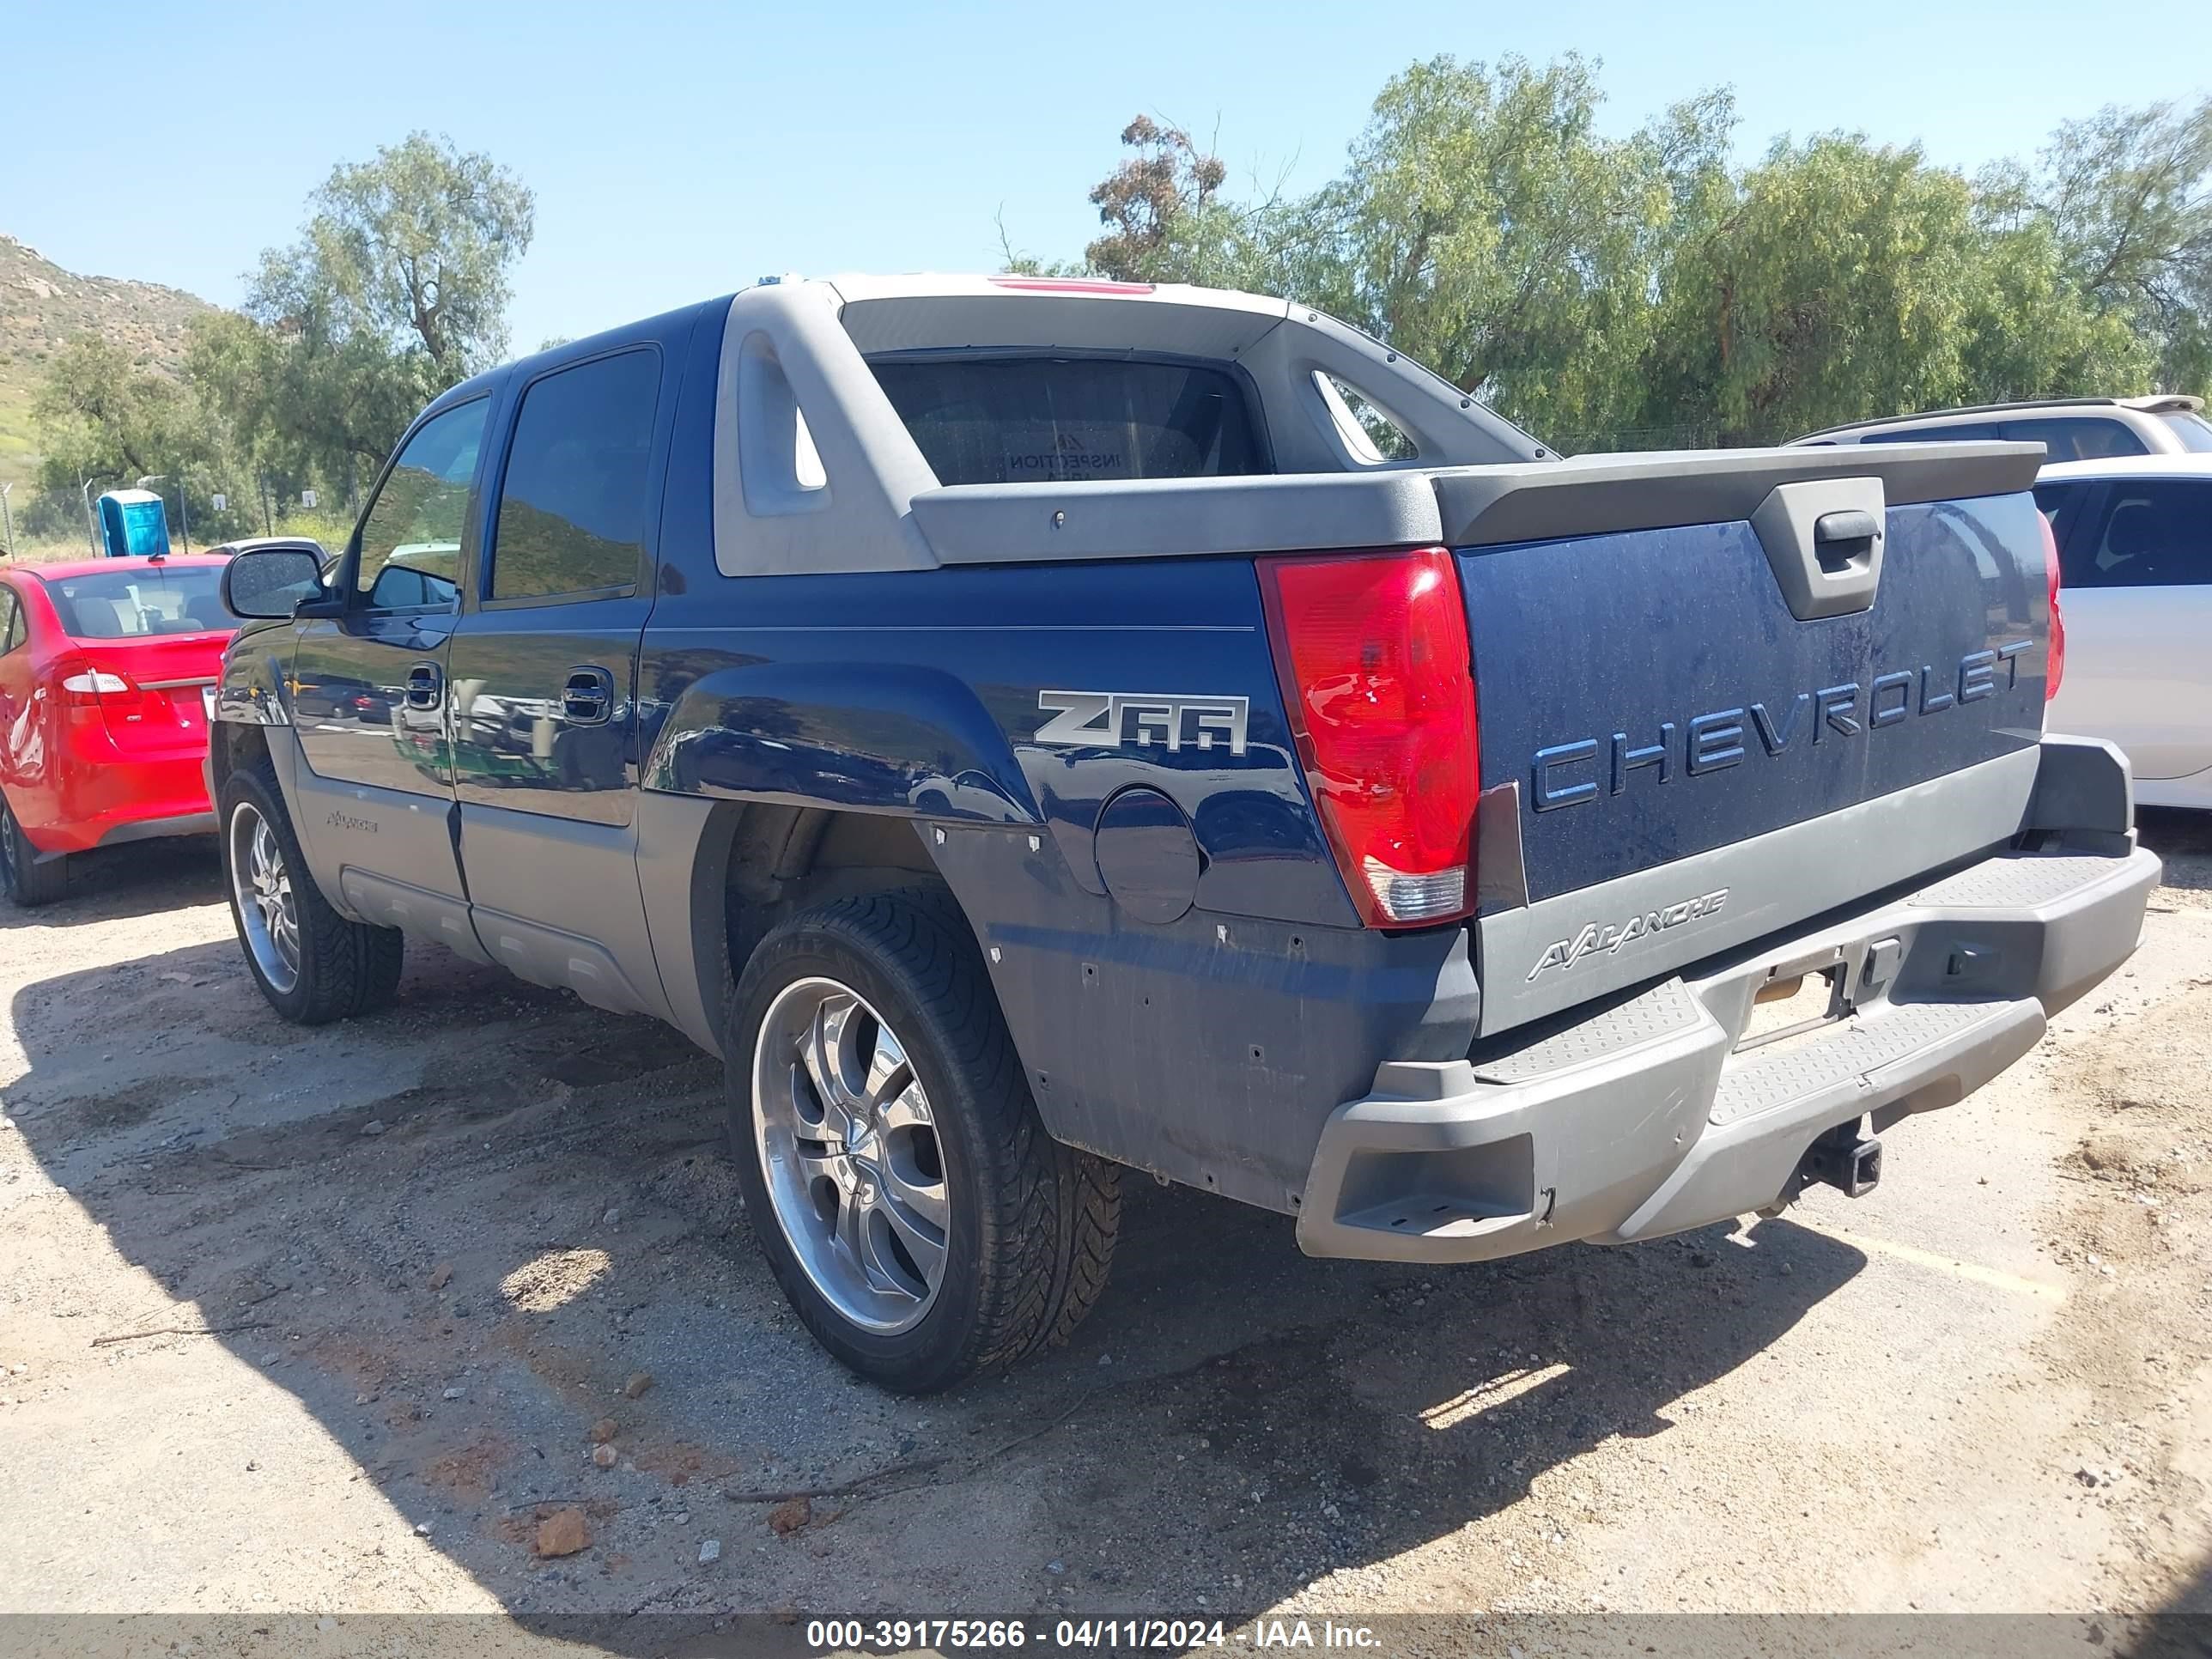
column 2061, row 504
column 12, row 629
column 2145, row 535
column 572, row 508
column 410, row 539
column 1060, row 420
column 129, row 604
column 2077, row 439
column 1930, row 434
column 2193, row 429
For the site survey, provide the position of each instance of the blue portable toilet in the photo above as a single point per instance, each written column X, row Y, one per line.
column 134, row 524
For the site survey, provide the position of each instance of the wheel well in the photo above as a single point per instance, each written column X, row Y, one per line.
column 781, row 860
column 231, row 746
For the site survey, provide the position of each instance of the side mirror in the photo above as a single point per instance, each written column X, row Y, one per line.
column 270, row 583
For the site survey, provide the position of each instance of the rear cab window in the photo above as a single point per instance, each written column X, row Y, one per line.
column 1037, row 419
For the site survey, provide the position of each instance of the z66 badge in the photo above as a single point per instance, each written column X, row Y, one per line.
column 1114, row 719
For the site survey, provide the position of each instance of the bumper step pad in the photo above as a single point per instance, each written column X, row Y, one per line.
column 1639, row 1119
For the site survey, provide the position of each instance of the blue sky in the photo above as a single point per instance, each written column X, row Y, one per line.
column 679, row 152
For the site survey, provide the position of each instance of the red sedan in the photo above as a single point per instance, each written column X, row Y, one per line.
column 102, row 727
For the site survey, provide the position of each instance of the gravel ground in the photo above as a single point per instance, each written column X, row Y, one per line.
column 324, row 1321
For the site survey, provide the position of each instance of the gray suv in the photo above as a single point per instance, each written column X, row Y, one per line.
column 2068, row 428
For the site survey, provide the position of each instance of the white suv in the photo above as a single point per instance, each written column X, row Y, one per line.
column 2135, row 557
column 2069, row 430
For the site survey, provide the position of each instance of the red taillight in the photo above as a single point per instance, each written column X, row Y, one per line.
column 82, row 685
column 2054, row 661
column 1372, row 651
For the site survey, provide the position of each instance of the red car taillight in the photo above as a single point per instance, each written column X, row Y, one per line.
column 2054, row 668
column 1372, row 653
column 83, row 686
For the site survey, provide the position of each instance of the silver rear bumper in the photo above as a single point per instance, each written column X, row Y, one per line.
column 1645, row 1118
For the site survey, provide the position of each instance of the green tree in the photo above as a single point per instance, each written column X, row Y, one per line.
column 415, row 247
column 1638, row 291
column 1484, row 225
column 2128, row 196
column 1168, row 220
column 397, row 288
column 309, row 403
column 104, row 418
column 2034, row 331
column 1847, row 280
column 1481, row 223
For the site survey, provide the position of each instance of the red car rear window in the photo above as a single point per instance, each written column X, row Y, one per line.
column 128, row 605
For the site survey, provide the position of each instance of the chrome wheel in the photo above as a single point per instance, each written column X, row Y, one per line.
column 262, row 887
column 849, row 1153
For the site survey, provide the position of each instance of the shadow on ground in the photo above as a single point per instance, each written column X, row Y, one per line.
column 2181, row 1628
column 135, row 879
column 2183, row 840
column 494, row 1190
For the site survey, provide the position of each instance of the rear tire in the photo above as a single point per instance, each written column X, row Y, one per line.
column 311, row 964
column 28, row 882
column 1027, row 1224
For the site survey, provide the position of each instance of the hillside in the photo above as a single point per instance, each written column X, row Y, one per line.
column 42, row 305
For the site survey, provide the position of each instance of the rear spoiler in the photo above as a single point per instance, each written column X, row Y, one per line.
column 1456, row 507
column 1604, row 495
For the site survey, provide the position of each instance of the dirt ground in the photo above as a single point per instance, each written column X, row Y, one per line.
column 324, row 1321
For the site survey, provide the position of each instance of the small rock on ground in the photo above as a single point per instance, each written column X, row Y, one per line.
column 563, row 1533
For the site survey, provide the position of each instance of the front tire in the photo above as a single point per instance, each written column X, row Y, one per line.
column 28, row 881
column 920, row 1221
column 311, row 964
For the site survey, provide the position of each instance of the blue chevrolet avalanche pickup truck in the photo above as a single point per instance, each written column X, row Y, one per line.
column 1029, row 728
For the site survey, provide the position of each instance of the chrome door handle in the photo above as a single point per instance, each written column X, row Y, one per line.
column 426, row 685
column 588, row 699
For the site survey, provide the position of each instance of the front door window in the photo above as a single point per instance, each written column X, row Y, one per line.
column 411, row 537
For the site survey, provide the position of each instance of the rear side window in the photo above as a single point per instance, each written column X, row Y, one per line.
column 130, row 604
column 2155, row 534
column 2193, row 429
column 1035, row 420
column 572, row 507
column 2077, row 440
column 12, row 630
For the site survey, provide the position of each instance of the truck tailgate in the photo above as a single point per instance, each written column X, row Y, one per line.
column 1682, row 752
